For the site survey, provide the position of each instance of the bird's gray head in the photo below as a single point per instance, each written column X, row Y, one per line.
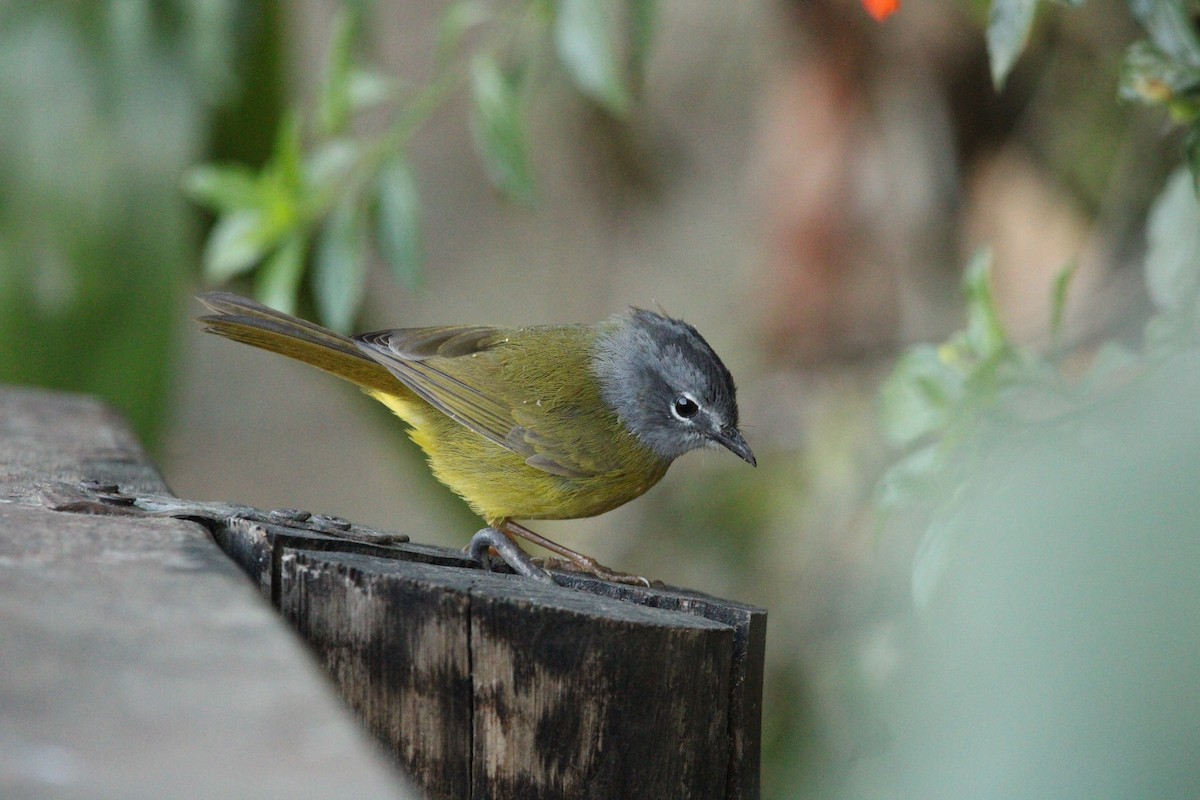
column 667, row 385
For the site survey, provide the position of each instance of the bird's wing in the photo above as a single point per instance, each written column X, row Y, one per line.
column 571, row 456
column 472, row 375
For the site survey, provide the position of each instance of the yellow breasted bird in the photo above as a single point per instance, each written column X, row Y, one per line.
column 540, row 422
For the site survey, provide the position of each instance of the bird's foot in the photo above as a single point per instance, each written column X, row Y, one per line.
column 590, row 566
column 569, row 559
column 488, row 539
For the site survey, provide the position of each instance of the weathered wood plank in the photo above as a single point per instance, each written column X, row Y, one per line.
column 256, row 545
column 579, row 696
column 276, row 556
column 397, row 644
column 749, row 624
column 135, row 661
column 61, row 437
column 494, row 686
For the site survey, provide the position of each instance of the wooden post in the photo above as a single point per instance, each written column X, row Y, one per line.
column 492, row 685
column 488, row 685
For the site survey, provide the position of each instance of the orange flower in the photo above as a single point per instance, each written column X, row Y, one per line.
column 881, row 9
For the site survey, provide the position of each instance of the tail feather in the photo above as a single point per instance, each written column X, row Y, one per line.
column 249, row 322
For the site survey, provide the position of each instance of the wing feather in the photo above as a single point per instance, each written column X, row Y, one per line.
column 423, row 358
column 463, row 372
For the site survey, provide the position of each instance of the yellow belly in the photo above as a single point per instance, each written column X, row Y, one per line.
column 498, row 484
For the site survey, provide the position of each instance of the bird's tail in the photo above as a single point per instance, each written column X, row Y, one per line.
column 244, row 320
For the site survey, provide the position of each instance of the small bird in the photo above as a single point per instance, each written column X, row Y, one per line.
column 539, row 422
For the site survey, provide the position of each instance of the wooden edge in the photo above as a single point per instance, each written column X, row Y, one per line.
column 256, row 545
column 134, row 662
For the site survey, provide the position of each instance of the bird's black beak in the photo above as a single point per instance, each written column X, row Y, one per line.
column 736, row 443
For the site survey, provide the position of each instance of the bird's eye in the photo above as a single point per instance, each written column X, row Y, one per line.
column 685, row 407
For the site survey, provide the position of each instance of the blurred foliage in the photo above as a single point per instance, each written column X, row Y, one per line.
column 330, row 189
column 943, row 401
column 1009, row 23
column 1055, row 650
column 1057, row 508
column 1164, row 69
column 105, row 103
column 1160, row 70
column 1052, row 491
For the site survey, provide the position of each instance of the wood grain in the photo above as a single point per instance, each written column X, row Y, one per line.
column 135, row 660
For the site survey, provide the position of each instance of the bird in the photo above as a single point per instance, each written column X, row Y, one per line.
column 526, row 423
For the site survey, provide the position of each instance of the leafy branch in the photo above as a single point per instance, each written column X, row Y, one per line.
column 329, row 194
column 947, row 406
column 1161, row 70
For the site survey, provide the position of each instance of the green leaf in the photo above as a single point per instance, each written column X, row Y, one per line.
column 931, row 560
column 1058, row 299
column 327, row 173
column 278, row 281
column 335, row 103
column 288, row 157
column 459, row 18
column 585, row 36
column 1149, row 76
column 643, row 23
column 340, row 270
column 225, row 188
column 920, row 395
column 1009, row 24
column 1191, row 153
column 367, row 89
column 498, row 129
column 238, row 241
column 398, row 220
column 984, row 334
column 1173, row 246
column 1170, row 27
column 912, row 481
column 330, row 163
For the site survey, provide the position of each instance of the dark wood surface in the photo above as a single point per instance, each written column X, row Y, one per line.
column 135, row 660
column 478, row 684
column 558, row 693
column 518, row 689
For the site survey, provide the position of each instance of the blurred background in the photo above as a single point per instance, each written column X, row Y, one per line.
column 803, row 184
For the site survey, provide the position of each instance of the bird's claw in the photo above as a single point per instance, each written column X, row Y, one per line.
column 590, row 566
column 489, row 539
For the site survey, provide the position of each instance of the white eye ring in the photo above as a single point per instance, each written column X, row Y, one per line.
column 685, row 407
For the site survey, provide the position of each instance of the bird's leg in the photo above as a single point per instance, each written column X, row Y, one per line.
column 578, row 561
column 495, row 539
